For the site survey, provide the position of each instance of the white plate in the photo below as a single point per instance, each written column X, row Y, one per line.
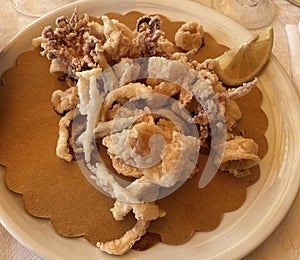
column 267, row 201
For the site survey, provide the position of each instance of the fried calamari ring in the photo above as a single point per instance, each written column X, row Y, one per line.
column 240, row 155
column 189, row 36
column 128, row 91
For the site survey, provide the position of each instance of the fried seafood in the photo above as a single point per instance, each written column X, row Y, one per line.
column 122, row 245
column 162, row 169
column 118, row 38
column 65, row 43
column 104, row 129
column 62, row 148
column 150, row 40
column 189, row 36
column 142, row 211
column 128, row 91
column 179, row 104
column 166, row 88
column 64, row 101
column 240, row 155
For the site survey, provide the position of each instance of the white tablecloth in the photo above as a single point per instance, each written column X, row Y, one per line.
column 284, row 243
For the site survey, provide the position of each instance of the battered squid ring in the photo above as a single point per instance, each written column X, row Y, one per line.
column 128, row 91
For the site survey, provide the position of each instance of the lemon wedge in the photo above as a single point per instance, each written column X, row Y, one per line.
column 242, row 64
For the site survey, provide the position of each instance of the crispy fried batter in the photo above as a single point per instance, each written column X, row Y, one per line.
column 118, row 38
column 128, row 91
column 62, row 148
column 189, row 36
column 65, row 100
column 150, row 40
column 122, row 245
column 146, row 145
column 240, row 155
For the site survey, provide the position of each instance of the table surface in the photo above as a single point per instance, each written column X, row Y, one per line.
column 284, row 242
